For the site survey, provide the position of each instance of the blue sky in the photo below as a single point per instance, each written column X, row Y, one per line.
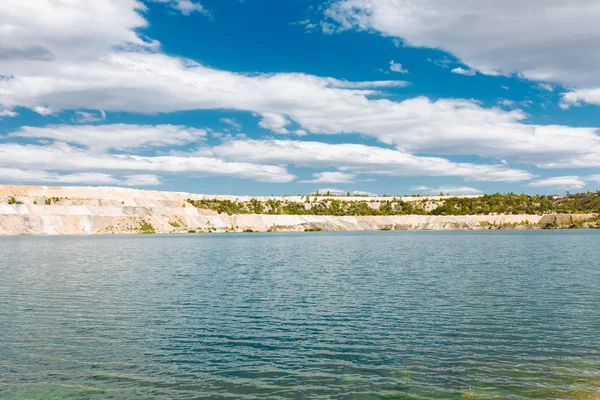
column 285, row 97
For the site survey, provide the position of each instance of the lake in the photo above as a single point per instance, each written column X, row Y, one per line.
column 358, row 315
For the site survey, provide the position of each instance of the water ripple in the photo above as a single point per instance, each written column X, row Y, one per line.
column 374, row 315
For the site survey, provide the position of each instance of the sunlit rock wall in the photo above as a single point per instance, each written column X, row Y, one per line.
column 103, row 210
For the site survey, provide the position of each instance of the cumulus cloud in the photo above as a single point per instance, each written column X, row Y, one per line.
column 99, row 62
column 60, row 156
column 8, row 113
column 463, row 71
column 357, row 158
column 308, row 25
column 545, row 86
column 447, row 190
column 113, row 147
column 90, row 178
column 397, row 67
column 232, row 123
column 186, row 7
column 141, row 180
column 40, row 176
column 331, row 177
column 563, row 182
column 115, row 136
column 318, row 105
column 84, row 117
column 593, row 178
column 579, row 97
column 42, row 110
column 339, row 192
column 541, row 40
column 546, row 40
column 37, row 31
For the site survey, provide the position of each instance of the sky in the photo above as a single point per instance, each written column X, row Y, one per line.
column 261, row 97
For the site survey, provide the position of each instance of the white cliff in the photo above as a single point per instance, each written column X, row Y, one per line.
column 41, row 210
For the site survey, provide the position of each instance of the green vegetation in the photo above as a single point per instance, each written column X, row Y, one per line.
column 51, row 200
column 317, row 207
column 313, row 229
column 521, row 204
column 509, row 203
column 146, row 228
column 12, row 200
column 175, row 224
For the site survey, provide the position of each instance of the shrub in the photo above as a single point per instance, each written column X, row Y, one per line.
column 146, row 228
column 509, row 203
column 313, row 229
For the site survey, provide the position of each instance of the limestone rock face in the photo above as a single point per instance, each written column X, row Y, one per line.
column 57, row 210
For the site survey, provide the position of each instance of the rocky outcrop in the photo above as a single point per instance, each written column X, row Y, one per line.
column 40, row 210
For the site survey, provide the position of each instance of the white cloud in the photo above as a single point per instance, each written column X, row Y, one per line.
column 331, row 177
column 36, row 31
column 594, row 180
column 506, row 103
column 336, row 83
column 356, row 158
column 84, row 117
column 463, row 71
column 115, row 70
column 563, row 182
column 186, row 7
column 339, row 192
column 90, row 178
column 141, row 180
column 62, row 157
column 447, row 190
column 261, row 160
column 275, row 122
column 38, row 176
column 580, row 97
column 115, row 136
column 8, row 113
column 545, row 86
column 43, row 110
column 544, row 40
column 308, row 26
column 541, row 40
column 318, row 105
column 231, row 122
column 397, row 67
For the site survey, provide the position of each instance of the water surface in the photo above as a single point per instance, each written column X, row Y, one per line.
column 375, row 315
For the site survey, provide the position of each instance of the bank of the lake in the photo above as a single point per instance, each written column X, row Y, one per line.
column 41, row 210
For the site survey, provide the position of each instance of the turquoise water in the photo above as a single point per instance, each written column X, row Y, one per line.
column 379, row 315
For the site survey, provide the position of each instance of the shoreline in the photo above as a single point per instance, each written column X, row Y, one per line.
column 235, row 233
column 55, row 210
